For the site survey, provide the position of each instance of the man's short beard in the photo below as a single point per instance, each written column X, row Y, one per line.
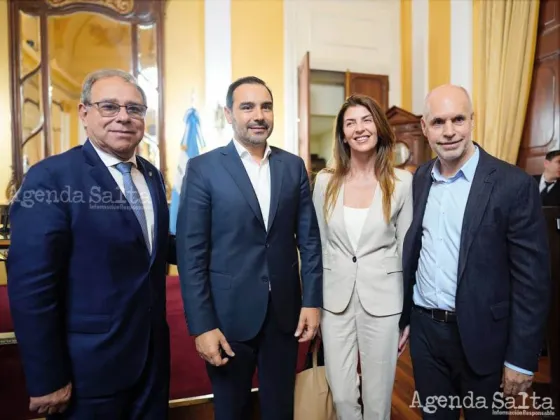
column 255, row 142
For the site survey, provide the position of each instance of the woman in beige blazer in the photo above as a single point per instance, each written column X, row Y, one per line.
column 364, row 208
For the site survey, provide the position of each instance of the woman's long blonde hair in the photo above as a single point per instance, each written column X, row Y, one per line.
column 384, row 170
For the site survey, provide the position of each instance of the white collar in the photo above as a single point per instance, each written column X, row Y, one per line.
column 110, row 160
column 242, row 151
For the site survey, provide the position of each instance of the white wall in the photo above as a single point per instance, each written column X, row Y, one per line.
column 217, row 56
column 362, row 36
column 420, row 54
column 462, row 44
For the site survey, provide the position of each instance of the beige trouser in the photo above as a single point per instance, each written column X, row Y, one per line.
column 376, row 339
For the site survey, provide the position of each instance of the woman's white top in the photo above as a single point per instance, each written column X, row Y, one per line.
column 354, row 219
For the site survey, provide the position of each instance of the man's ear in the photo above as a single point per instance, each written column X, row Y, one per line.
column 82, row 112
column 424, row 126
column 229, row 115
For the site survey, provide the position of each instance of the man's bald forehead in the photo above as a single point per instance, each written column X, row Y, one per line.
column 452, row 92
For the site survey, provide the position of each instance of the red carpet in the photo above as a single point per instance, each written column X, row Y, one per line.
column 5, row 318
column 13, row 396
column 188, row 373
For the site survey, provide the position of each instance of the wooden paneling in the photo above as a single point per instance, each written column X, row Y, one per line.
column 552, row 389
column 374, row 85
column 542, row 124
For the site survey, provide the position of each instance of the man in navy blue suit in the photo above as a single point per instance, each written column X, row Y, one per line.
column 87, row 266
column 476, row 270
column 245, row 212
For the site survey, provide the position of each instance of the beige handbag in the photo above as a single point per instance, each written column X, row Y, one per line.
column 313, row 398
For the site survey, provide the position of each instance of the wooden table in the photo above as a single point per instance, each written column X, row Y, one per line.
column 7, row 338
column 4, row 240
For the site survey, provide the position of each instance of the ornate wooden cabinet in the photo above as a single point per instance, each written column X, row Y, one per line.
column 412, row 147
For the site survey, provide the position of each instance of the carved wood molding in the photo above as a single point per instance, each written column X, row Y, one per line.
column 122, row 7
column 133, row 12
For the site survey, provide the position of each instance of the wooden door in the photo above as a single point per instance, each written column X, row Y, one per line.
column 542, row 122
column 374, row 85
column 304, row 106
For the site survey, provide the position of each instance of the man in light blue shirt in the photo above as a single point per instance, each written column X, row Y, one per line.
column 476, row 269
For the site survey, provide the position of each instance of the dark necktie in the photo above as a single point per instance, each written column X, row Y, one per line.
column 544, row 192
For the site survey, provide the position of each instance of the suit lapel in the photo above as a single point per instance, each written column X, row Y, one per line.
column 552, row 198
column 234, row 166
column 100, row 173
column 276, row 176
column 476, row 206
column 420, row 202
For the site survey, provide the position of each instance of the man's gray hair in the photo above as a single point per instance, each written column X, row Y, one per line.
column 97, row 75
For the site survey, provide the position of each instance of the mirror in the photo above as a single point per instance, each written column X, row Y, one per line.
column 80, row 43
column 31, row 86
column 401, row 154
column 57, row 43
column 148, row 79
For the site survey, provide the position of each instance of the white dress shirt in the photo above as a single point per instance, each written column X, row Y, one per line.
column 354, row 219
column 542, row 184
column 436, row 278
column 139, row 181
column 259, row 174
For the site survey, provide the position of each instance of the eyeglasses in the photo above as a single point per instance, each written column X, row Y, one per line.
column 110, row 109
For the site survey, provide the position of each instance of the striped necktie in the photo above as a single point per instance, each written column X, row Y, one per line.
column 134, row 199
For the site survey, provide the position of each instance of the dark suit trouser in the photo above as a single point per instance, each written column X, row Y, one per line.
column 148, row 399
column 274, row 353
column 441, row 370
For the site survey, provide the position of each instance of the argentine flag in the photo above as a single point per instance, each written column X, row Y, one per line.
column 190, row 143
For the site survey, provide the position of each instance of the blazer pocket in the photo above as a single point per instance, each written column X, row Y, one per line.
column 220, row 280
column 392, row 264
column 89, row 324
column 500, row 310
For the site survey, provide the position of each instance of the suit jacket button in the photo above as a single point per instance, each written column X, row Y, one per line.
column 264, row 279
column 354, row 259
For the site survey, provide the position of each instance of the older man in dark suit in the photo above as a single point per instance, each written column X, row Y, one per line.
column 87, row 265
column 476, row 269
